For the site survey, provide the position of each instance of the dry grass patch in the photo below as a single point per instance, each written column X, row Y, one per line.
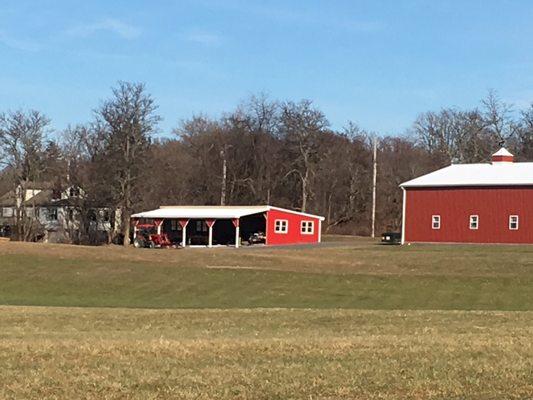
column 264, row 354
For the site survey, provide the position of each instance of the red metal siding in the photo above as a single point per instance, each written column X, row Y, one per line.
column 493, row 205
column 294, row 235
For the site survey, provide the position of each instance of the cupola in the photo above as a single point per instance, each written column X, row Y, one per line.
column 502, row 156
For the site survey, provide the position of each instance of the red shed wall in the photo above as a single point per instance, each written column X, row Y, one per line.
column 294, row 235
column 493, row 205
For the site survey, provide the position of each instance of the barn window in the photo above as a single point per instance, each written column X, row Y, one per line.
column 435, row 221
column 513, row 222
column 307, row 227
column 474, row 222
column 7, row 212
column 281, row 226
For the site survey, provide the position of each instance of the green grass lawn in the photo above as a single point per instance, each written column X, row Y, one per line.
column 347, row 320
column 352, row 274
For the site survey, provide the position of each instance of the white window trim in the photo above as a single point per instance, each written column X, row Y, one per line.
column 517, row 222
column 477, row 222
column 307, row 223
column 282, row 222
column 433, row 217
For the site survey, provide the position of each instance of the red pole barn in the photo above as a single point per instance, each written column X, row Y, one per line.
column 230, row 225
column 471, row 203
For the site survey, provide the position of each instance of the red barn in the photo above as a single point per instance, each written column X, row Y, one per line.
column 229, row 225
column 471, row 203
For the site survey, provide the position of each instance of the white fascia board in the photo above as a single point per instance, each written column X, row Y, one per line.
column 297, row 213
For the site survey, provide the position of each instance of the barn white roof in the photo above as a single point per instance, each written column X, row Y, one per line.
column 215, row 212
column 495, row 174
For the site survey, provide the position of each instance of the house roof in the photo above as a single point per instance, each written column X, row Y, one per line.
column 495, row 174
column 215, row 212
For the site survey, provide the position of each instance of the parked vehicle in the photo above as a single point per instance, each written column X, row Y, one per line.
column 257, row 237
column 391, row 238
column 147, row 237
column 5, row 231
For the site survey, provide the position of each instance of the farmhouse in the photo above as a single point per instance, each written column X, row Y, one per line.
column 229, row 225
column 52, row 214
column 471, row 203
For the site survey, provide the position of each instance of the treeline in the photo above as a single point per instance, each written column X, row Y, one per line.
column 265, row 151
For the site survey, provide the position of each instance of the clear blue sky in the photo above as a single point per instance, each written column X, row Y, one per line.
column 376, row 63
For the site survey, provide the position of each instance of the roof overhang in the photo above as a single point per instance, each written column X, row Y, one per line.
column 212, row 212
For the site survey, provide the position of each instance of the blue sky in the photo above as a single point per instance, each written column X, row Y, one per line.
column 377, row 63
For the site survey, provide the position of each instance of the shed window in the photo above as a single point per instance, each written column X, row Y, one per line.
column 281, row 226
column 201, row 226
column 307, row 227
column 7, row 212
column 513, row 222
column 175, row 225
column 474, row 222
column 435, row 221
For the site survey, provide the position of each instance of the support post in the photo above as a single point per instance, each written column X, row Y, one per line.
column 183, row 223
column 210, row 223
column 404, row 202
column 135, row 228
column 236, row 223
column 159, row 224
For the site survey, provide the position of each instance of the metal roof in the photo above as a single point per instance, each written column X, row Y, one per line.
column 495, row 174
column 215, row 212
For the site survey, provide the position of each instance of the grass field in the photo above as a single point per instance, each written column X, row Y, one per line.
column 349, row 320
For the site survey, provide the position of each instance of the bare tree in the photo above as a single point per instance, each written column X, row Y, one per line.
column 127, row 121
column 22, row 136
column 301, row 126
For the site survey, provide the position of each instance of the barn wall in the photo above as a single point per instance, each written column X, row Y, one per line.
column 294, row 235
column 455, row 205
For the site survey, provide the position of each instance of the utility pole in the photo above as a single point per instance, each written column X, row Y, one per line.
column 374, row 179
column 224, row 177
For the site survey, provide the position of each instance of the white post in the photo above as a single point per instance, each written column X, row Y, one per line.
column 159, row 228
column 184, row 236
column 403, row 214
column 134, row 232
column 237, row 236
column 319, row 230
column 210, row 243
column 374, row 178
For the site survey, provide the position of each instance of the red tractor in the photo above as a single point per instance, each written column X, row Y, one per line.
column 148, row 237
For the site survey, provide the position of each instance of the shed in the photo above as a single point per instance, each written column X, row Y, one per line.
column 229, row 225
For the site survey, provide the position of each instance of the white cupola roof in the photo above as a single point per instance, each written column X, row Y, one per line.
column 502, row 155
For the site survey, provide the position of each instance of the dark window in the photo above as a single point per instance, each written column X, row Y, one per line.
column 175, row 225
column 52, row 214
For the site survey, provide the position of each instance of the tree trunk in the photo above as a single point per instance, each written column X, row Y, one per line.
column 126, row 228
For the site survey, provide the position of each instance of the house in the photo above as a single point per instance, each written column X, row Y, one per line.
column 471, row 203
column 54, row 214
column 229, row 225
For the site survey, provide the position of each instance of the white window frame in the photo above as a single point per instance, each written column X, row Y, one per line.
column 471, row 222
column 435, row 218
column 8, row 212
column 307, row 227
column 281, row 226
column 517, row 222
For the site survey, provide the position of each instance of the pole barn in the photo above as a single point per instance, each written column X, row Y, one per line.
column 471, row 203
column 229, row 225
